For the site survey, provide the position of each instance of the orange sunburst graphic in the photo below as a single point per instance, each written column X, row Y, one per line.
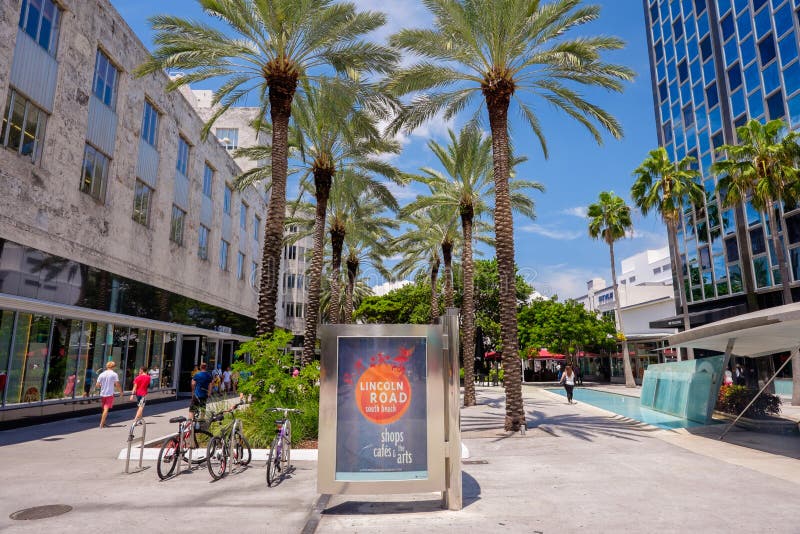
column 383, row 393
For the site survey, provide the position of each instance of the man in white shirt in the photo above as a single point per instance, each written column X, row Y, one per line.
column 106, row 382
column 154, row 376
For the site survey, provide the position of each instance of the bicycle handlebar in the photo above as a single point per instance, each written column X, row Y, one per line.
column 285, row 410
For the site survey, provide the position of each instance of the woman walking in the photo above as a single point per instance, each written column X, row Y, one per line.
column 568, row 379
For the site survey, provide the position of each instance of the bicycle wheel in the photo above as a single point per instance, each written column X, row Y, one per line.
column 273, row 463
column 202, row 439
column 167, row 459
column 217, row 455
column 286, row 450
column 241, row 449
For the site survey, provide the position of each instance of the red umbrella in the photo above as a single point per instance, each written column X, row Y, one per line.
column 491, row 355
column 544, row 353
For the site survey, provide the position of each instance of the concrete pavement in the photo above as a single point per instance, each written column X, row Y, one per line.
column 577, row 468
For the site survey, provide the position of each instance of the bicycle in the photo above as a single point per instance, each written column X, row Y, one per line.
column 281, row 448
column 190, row 438
column 222, row 452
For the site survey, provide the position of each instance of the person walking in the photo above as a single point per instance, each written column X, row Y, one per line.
column 226, row 380
column 155, row 374
column 106, row 382
column 140, row 385
column 568, row 380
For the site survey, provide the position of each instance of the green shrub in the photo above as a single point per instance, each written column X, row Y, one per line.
column 268, row 379
column 495, row 375
column 732, row 399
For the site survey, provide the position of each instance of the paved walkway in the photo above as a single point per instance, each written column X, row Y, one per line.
column 577, row 468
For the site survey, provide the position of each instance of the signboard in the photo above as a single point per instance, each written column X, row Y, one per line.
column 381, row 416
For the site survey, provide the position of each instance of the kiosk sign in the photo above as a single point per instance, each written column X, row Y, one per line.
column 381, row 415
column 382, row 402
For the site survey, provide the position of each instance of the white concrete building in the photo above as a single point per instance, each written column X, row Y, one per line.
column 646, row 294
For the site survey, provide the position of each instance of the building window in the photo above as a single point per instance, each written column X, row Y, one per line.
column 290, row 309
column 632, row 279
column 182, row 165
column 256, row 226
column 656, row 270
column 291, row 252
column 766, row 49
column 298, row 309
column 176, row 225
column 208, row 179
column 253, row 272
column 240, row 266
column 40, row 20
column 150, row 124
column 229, row 137
column 226, row 200
column 223, row 254
column 300, row 281
column 142, row 196
column 95, row 173
column 104, row 85
column 243, row 217
column 23, row 126
column 202, row 242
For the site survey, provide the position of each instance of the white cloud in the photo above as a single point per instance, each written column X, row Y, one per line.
column 563, row 280
column 656, row 239
column 577, row 211
column 551, row 232
column 402, row 192
column 385, row 287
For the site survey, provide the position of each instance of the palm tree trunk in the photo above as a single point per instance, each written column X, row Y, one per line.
column 775, row 226
column 322, row 189
column 498, row 97
column 630, row 382
column 434, row 295
column 447, row 256
column 352, row 272
column 281, row 93
column 337, row 242
column 672, row 231
column 468, row 309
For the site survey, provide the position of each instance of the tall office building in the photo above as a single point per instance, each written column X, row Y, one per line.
column 122, row 235
column 714, row 65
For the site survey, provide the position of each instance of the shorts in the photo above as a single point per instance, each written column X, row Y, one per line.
column 140, row 400
column 197, row 404
column 107, row 402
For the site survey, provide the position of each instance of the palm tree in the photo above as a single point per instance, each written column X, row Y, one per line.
column 503, row 50
column 463, row 189
column 762, row 165
column 361, row 290
column 610, row 220
column 663, row 186
column 337, row 144
column 419, row 247
column 268, row 47
column 352, row 210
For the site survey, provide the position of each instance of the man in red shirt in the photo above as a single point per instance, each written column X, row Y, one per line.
column 140, row 385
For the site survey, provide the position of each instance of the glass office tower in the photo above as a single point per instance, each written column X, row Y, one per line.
column 714, row 65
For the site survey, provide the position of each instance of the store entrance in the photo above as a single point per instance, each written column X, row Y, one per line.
column 190, row 354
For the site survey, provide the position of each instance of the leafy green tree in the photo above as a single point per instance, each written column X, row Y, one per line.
column 663, row 186
column 610, row 220
column 563, row 327
column 506, row 50
column 269, row 47
column 488, row 303
column 410, row 304
column 463, row 190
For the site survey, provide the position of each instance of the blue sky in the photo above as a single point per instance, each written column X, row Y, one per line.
column 553, row 252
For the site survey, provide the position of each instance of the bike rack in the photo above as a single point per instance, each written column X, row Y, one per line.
column 131, row 441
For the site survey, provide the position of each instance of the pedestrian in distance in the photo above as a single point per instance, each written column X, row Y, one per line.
column 155, row 375
column 201, row 389
column 140, row 385
column 739, row 377
column 558, row 370
column 568, row 380
column 106, row 382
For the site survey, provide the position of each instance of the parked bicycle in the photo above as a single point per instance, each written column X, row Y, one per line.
column 190, row 444
column 228, row 447
column 278, row 465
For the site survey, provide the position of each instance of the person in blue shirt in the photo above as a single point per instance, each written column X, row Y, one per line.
column 201, row 389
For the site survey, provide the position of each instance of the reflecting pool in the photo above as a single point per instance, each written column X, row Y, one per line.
column 627, row 407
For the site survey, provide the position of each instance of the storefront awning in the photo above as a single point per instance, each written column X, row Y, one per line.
column 755, row 334
column 544, row 353
column 700, row 318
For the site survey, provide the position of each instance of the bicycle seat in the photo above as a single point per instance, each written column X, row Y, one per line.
column 179, row 419
column 218, row 417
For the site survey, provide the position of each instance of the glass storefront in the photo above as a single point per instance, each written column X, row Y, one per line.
column 46, row 358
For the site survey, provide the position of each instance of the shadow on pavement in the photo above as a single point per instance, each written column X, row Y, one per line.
column 119, row 418
column 471, row 493
column 787, row 445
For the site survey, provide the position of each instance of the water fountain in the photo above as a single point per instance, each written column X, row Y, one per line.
column 686, row 389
